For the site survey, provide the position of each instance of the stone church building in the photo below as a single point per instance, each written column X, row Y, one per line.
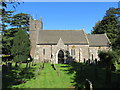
column 64, row 46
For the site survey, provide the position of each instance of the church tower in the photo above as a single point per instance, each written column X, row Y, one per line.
column 34, row 28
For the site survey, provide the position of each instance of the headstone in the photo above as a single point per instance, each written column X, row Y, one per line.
column 88, row 61
column 95, row 61
column 84, row 60
column 53, row 66
column 88, row 85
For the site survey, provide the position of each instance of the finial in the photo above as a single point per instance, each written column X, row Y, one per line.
column 40, row 18
column 30, row 17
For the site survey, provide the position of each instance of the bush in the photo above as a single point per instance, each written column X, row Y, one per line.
column 108, row 58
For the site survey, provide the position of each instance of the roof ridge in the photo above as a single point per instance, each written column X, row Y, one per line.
column 107, row 38
column 61, row 30
column 85, row 36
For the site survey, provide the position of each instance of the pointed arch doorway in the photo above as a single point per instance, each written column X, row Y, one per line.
column 60, row 57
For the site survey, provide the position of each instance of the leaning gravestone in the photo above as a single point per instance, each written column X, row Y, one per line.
column 88, row 85
column 53, row 66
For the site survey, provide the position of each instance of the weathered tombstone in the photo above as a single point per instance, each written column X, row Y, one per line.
column 88, row 61
column 84, row 60
column 53, row 66
column 95, row 61
column 88, row 85
column 43, row 65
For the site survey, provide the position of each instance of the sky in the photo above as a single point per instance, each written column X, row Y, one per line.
column 66, row 15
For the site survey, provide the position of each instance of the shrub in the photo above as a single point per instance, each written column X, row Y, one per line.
column 108, row 58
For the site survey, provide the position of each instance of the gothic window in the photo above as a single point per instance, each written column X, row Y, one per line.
column 72, row 52
column 43, row 51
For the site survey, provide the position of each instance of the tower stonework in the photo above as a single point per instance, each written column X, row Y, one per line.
column 35, row 26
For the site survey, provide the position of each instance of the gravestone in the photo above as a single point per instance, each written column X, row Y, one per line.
column 95, row 61
column 88, row 85
column 88, row 61
column 53, row 66
column 84, row 60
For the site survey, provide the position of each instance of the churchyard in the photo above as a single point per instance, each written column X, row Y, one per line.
column 74, row 75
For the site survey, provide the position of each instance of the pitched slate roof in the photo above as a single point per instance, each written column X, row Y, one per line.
column 98, row 40
column 67, row 36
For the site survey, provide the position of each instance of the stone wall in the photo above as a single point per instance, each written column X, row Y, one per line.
column 95, row 50
column 81, row 52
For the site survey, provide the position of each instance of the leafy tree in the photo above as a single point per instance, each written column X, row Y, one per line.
column 21, row 46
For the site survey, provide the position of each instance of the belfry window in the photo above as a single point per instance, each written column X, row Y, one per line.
column 72, row 52
column 43, row 51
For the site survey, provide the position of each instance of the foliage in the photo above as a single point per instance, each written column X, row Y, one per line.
column 7, row 40
column 21, row 46
column 6, row 18
column 14, row 3
column 15, row 75
column 108, row 58
column 116, row 45
column 108, row 25
column 21, row 20
column 8, row 34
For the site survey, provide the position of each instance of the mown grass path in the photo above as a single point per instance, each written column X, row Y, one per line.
column 50, row 78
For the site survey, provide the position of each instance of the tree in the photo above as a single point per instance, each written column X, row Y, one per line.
column 7, row 34
column 21, row 46
column 108, row 58
column 108, row 25
column 21, row 21
column 14, row 3
column 6, row 18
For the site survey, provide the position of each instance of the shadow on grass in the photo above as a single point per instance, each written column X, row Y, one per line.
column 100, row 77
column 15, row 76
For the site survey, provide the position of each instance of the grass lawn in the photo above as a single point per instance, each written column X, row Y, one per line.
column 50, row 78
column 66, row 76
